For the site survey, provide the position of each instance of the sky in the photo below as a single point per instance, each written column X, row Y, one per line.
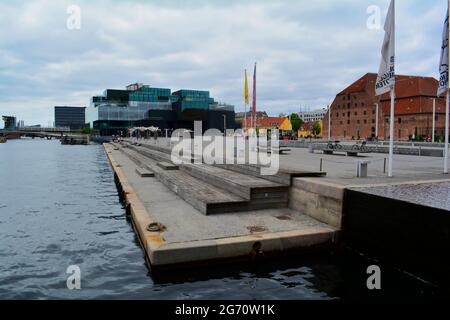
column 307, row 51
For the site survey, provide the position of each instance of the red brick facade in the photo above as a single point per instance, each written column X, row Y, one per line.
column 353, row 111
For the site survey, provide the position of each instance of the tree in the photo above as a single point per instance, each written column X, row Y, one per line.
column 316, row 129
column 296, row 122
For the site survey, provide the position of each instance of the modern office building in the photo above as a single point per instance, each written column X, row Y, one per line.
column 141, row 105
column 72, row 117
column 10, row 122
column 312, row 116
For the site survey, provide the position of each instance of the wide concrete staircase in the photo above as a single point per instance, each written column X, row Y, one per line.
column 214, row 189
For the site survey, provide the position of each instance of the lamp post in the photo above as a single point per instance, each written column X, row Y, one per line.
column 434, row 120
column 329, row 123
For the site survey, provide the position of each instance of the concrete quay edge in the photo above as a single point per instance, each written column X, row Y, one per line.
column 159, row 253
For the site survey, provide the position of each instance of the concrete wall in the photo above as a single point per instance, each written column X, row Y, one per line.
column 411, row 236
column 318, row 199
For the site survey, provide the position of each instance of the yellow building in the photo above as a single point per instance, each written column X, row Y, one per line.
column 271, row 123
column 306, row 129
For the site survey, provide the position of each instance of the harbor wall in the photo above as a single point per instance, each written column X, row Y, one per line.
column 413, row 237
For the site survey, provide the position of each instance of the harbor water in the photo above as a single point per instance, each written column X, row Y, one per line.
column 59, row 207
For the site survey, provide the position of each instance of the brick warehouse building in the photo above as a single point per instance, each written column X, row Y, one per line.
column 353, row 111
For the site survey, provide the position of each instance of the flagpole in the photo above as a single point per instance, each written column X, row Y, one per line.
column 391, row 132
column 376, row 122
column 245, row 118
column 447, row 102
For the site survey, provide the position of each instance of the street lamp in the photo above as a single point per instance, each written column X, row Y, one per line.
column 329, row 123
column 434, row 120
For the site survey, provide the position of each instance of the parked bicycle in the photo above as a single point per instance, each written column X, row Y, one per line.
column 361, row 148
column 334, row 145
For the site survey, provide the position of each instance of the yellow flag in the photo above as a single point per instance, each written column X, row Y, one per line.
column 246, row 101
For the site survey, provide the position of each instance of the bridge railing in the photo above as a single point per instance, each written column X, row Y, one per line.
column 61, row 129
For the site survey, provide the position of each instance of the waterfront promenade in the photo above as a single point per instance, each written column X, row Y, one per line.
column 201, row 214
column 187, row 234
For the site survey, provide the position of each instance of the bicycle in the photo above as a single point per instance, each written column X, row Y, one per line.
column 361, row 148
column 334, row 146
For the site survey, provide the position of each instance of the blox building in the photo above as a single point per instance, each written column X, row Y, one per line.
column 140, row 105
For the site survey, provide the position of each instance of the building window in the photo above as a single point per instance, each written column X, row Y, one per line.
column 348, row 121
column 358, row 122
column 373, row 111
column 399, row 120
column 362, row 103
column 343, row 114
column 356, row 113
column 365, row 121
column 356, row 105
column 348, row 105
column 340, row 123
column 373, row 120
column 365, row 112
column 348, row 113
column 337, row 115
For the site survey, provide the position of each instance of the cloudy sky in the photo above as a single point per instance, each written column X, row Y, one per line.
column 306, row 50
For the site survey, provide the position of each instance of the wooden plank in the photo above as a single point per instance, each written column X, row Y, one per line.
column 144, row 173
column 167, row 166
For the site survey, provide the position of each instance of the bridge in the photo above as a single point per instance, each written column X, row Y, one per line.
column 36, row 132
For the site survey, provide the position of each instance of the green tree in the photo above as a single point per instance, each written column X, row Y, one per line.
column 316, row 129
column 86, row 131
column 296, row 122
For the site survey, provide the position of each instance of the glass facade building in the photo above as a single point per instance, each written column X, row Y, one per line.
column 72, row 117
column 117, row 110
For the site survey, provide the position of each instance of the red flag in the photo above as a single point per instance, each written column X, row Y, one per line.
column 254, row 98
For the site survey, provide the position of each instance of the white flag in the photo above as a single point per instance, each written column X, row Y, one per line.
column 443, row 66
column 386, row 73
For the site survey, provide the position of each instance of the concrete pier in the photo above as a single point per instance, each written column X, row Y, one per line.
column 180, row 233
column 199, row 214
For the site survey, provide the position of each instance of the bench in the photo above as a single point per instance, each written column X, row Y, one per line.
column 280, row 150
column 350, row 153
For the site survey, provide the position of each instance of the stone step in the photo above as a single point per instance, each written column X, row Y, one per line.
column 205, row 197
column 283, row 176
column 247, row 186
column 167, row 165
column 153, row 154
